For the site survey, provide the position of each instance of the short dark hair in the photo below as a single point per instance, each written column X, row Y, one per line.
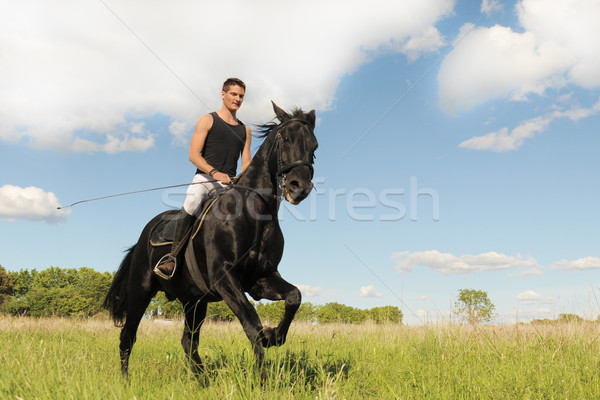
column 231, row 82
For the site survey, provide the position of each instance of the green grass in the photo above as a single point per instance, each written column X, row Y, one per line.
column 57, row 358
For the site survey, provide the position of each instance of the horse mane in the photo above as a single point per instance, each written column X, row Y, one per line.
column 265, row 129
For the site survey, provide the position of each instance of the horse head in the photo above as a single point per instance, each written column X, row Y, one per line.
column 296, row 145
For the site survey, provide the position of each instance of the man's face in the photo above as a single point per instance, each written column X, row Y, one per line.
column 233, row 98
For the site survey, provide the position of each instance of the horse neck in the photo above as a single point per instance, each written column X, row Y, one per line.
column 261, row 174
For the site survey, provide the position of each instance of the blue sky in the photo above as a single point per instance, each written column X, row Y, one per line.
column 458, row 140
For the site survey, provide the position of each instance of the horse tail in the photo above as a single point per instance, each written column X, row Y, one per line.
column 116, row 298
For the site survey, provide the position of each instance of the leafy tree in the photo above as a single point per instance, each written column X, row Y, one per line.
column 569, row 318
column 474, row 305
column 93, row 284
column 219, row 311
column 161, row 307
column 22, row 281
column 562, row 319
column 56, row 291
column 307, row 313
column 386, row 314
column 336, row 312
column 52, row 277
column 6, row 286
column 272, row 312
column 16, row 306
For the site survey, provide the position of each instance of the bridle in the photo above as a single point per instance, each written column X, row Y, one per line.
column 283, row 169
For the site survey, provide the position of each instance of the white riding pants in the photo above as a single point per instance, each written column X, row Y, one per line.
column 198, row 191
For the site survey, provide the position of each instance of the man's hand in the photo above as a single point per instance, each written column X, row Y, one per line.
column 222, row 177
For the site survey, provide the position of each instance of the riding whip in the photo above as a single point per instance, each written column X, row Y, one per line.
column 134, row 192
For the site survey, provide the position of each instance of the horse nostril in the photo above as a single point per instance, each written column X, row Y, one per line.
column 294, row 184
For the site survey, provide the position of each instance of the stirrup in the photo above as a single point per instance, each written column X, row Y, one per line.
column 163, row 260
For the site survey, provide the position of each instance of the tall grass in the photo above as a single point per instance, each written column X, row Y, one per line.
column 55, row 358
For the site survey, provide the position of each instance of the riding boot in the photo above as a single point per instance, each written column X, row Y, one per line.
column 166, row 266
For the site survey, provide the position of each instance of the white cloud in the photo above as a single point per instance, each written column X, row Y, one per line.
column 369, row 291
column 572, row 25
column 179, row 130
column 579, row 264
column 529, row 272
column 557, row 47
column 450, row 264
column 128, row 143
column 531, row 297
column 502, row 140
column 497, row 62
column 577, row 113
column 308, row 291
column 75, row 73
column 30, row 203
column 429, row 41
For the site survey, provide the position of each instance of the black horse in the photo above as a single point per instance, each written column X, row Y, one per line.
column 234, row 248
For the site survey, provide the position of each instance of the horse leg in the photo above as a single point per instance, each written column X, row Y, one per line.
column 195, row 313
column 138, row 299
column 128, row 335
column 274, row 287
column 232, row 293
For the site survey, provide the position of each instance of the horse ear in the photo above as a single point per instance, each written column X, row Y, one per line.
column 311, row 117
column 282, row 116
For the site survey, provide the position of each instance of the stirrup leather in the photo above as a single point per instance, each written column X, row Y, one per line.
column 163, row 260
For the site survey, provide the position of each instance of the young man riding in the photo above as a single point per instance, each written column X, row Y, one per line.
column 217, row 143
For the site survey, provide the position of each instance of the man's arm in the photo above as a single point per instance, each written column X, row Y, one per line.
column 246, row 153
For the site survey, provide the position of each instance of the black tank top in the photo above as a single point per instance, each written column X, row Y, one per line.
column 223, row 146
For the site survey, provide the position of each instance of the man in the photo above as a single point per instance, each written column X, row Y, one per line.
column 217, row 143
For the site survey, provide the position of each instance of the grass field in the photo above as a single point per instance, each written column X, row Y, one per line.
column 74, row 359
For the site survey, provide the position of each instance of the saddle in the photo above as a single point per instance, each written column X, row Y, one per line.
column 163, row 232
column 162, row 235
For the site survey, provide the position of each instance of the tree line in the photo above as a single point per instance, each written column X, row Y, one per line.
column 53, row 291
column 80, row 293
